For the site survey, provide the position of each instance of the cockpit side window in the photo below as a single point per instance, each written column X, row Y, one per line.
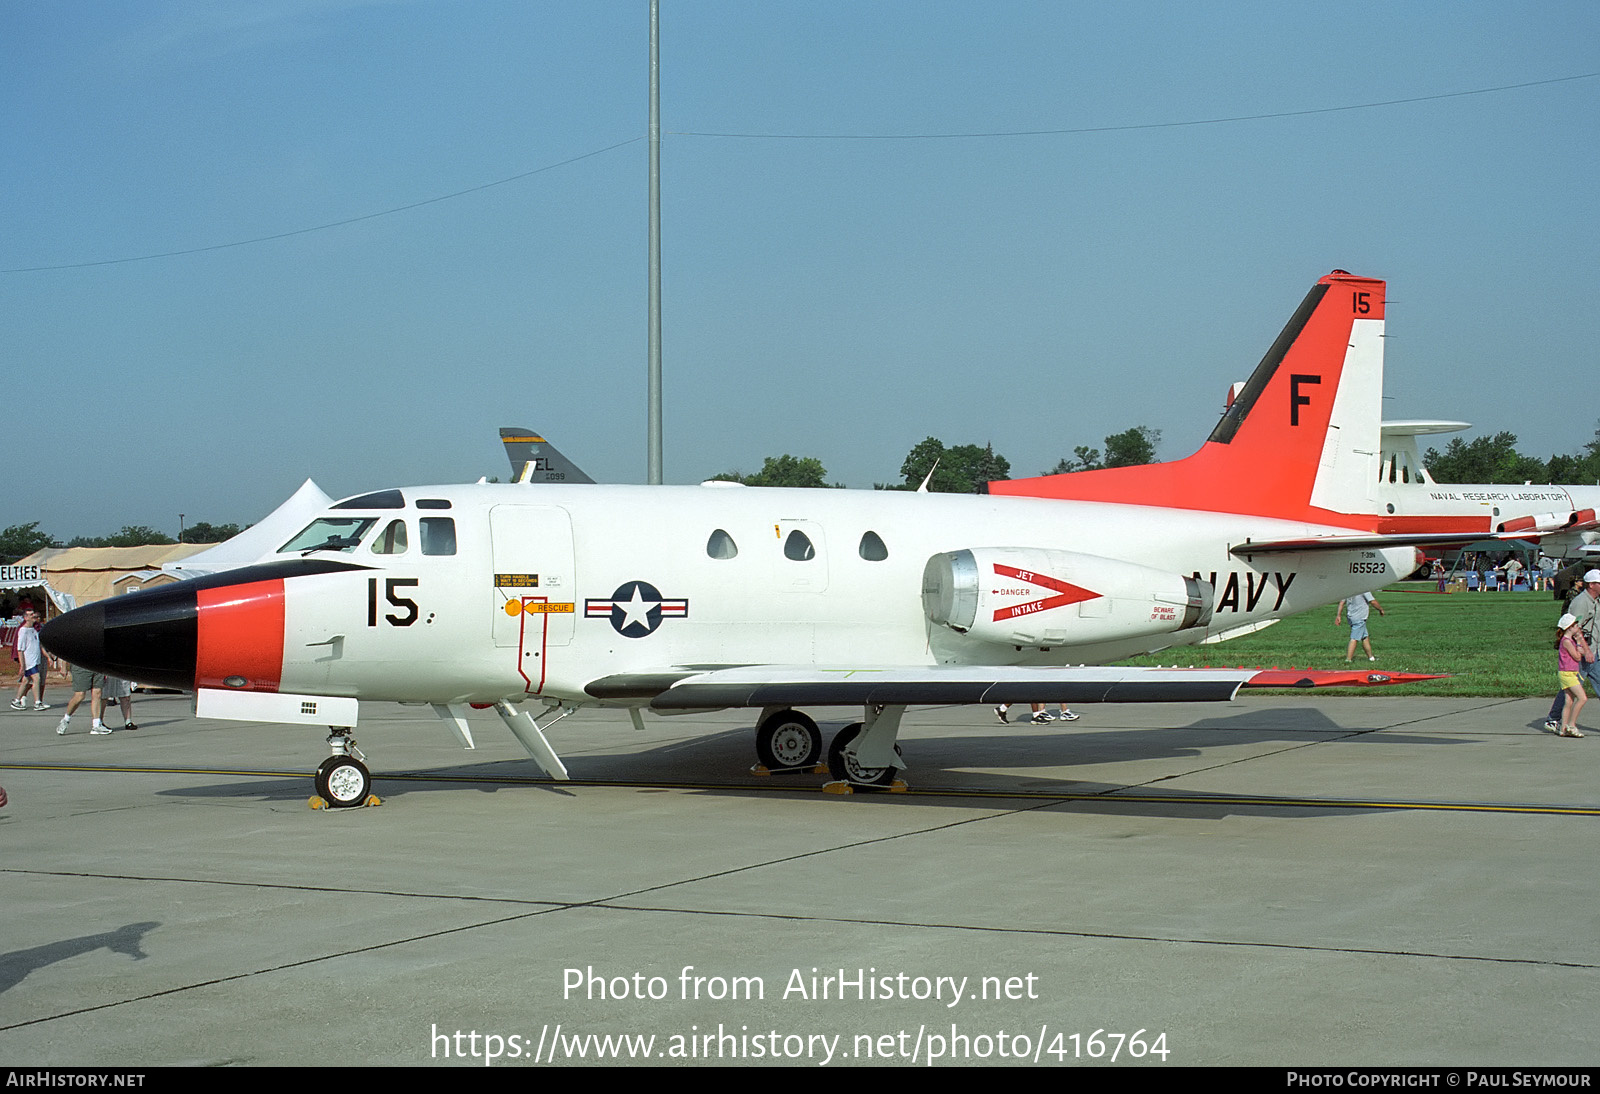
column 392, row 540
column 438, row 535
column 330, row 534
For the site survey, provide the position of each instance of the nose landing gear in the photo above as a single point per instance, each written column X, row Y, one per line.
column 343, row 781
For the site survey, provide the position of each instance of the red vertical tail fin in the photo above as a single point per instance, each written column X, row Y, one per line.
column 1301, row 440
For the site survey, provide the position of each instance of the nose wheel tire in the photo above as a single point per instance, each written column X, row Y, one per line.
column 843, row 766
column 788, row 739
column 344, row 781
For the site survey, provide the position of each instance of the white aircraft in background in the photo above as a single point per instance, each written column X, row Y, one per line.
column 717, row 596
column 1562, row 517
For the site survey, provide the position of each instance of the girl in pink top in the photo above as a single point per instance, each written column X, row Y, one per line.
column 1571, row 652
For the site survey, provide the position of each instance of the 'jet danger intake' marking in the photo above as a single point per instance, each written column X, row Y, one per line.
column 636, row 609
column 1067, row 593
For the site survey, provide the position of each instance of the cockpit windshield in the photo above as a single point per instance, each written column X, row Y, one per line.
column 330, row 534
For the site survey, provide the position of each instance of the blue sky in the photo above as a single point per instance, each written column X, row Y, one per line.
column 837, row 298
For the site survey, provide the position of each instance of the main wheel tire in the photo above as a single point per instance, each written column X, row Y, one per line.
column 344, row 781
column 843, row 766
column 788, row 739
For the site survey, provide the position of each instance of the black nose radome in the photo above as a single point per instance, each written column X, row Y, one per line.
column 151, row 636
column 147, row 637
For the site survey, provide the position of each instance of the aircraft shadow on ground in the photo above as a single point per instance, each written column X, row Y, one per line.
column 941, row 758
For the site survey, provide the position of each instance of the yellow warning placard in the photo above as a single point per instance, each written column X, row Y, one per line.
column 537, row 607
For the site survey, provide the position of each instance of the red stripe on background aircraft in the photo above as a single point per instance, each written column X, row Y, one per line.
column 722, row 596
column 1561, row 517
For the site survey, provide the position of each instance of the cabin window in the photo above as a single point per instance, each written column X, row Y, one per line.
column 438, row 535
column 871, row 547
column 392, row 540
column 721, row 545
column 798, row 547
column 383, row 499
column 330, row 534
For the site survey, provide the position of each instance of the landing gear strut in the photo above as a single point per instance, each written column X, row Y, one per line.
column 343, row 780
column 865, row 753
column 844, row 767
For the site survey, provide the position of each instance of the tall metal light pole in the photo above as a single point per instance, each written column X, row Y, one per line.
column 655, row 248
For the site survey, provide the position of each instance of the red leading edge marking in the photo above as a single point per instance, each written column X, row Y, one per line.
column 239, row 636
column 1068, row 593
column 1348, row 678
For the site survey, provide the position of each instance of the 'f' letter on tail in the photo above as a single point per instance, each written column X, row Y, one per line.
column 1300, row 440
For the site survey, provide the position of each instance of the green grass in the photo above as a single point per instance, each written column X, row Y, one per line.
column 1496, row 644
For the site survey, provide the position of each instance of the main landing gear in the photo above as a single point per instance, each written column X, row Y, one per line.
column 788, row 741
column 863, row 754
column 343, row 780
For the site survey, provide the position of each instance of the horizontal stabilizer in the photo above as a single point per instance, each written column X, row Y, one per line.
column 1372, row 542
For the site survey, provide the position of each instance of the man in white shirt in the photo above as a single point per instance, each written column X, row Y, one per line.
column 31, row 663
column 1357, row 608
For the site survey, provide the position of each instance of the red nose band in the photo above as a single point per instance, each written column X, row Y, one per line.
column 240, row 640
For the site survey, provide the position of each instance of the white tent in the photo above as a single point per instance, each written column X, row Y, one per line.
column 259, row 540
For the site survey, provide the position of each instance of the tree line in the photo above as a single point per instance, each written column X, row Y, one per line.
column 21, row 540
column 1495, row 459
column 964, row 469
column 954, row 469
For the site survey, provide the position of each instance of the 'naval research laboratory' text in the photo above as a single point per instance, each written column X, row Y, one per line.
column 814, row 987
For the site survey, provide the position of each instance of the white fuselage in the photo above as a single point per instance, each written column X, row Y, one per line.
column 542, row 593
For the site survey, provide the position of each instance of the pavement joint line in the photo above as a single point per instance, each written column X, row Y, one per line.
column 1057, row 932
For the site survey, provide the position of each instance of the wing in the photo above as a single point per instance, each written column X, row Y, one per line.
column 785, row 685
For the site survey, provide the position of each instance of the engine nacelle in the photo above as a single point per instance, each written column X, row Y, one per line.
column 1034, row 596
column 1547, row 522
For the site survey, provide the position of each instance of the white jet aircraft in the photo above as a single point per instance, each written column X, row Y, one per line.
column 1562, row 518
column 722, row 596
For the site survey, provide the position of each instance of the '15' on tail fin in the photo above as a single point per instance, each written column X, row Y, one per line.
column 1300, row 440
